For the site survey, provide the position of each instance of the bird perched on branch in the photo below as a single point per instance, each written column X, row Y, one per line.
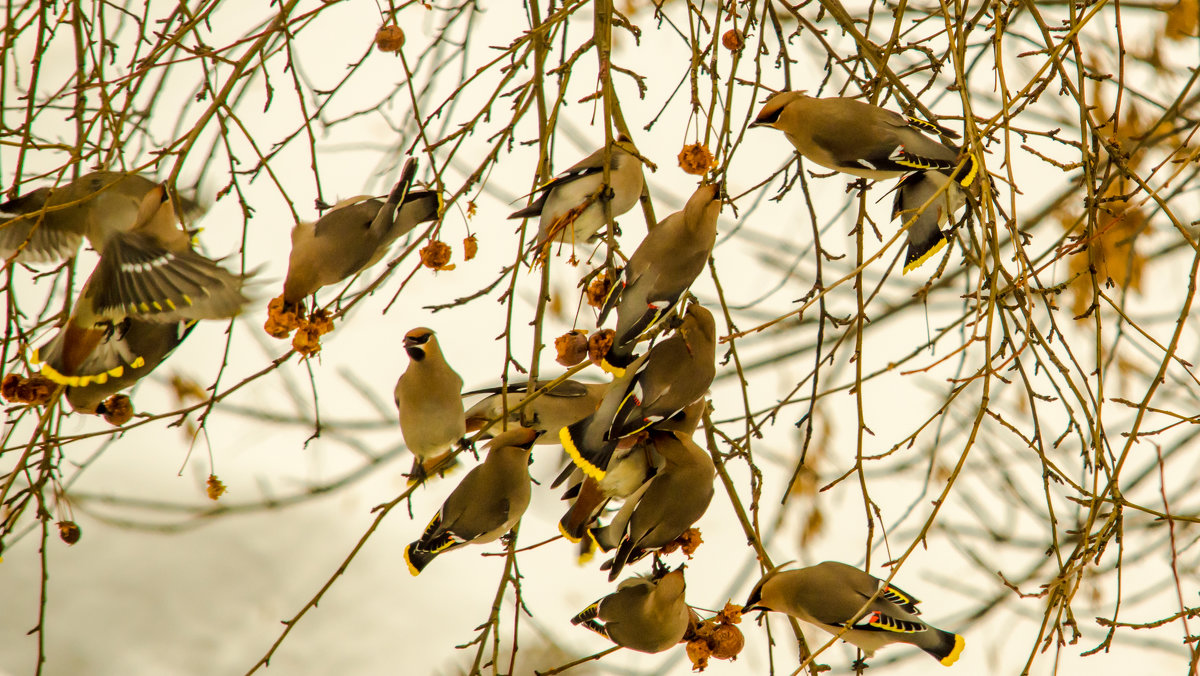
column 355, row 235
column 833, row 595
column 48, row 224
column 486, row 504
column 870, row 142
column 554, row 408
column 574, row 198
column 669, row 504
column 429, row 401
column 656, row 386
column 662, row 268
column 647, row 614
column 863, row 140
column 147, row 271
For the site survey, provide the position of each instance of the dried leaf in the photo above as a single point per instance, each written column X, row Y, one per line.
column 470, row 247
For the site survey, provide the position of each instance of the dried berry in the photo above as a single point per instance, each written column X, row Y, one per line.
column 389, row 38
column 698, row 652
column 470, row 248
column 726, row 642
column 572, row 347
column 281, row 320
column 214, row 487
column 597, row 291
column 117, row 409
column 307, row 340
column 689, row 542
column 436, row 255
column 599, row 344
column 695, row 159
column 733, row 40
column 320, row 322
column 68, row 532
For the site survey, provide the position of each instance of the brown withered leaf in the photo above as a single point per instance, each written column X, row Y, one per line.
column 470, row 247
column 572, row 347
column 436, row 256
column 1113, row 251
column 1183, row 20
column 599, row 343
column 214, row 488
column 696, row 159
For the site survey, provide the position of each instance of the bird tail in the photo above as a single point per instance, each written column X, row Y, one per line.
column 617, row 359
column 587, row 617
column 417, row 558
column 943, row 645
column 628, row 552
column 61, row 359
column 593, row 462
column 613, row 297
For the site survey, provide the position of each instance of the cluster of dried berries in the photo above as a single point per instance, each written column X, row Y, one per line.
column 716, row 637
column 689, row 542
column 35, row 390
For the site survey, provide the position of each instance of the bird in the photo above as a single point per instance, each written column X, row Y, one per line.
column 627, row 471
column 861, row 139
column 354, row 235
column 567, row 402
column 925, row 235
column 656, row 386
column 832, row 594
column 575, row 194
column 487, row 503
column 670, row 503
column 48, row 224
column 429, row 402
column 660, row 270
column 128, row 353
column 146, row 271
column 646, row 614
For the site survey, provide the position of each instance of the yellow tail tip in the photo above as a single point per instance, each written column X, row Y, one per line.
column 927, row 255
column 563, row 531
column 959, row 644
column 607, row 367
column 568, row 444
column 411, row 568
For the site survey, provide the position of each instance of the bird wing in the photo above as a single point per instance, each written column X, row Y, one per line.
column 136, row 276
